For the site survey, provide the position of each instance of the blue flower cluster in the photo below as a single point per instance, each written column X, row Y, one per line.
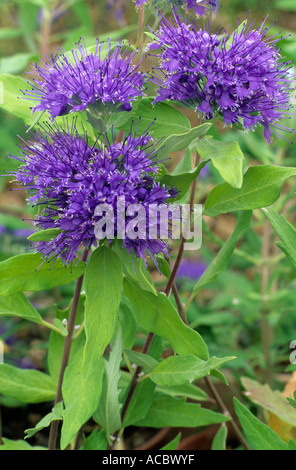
column 70, row 178
column 240, row 77
column 105, row 78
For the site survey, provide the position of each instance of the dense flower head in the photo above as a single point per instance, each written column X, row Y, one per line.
column 200, row 7
column 70, row 82
column 240, row 77
column 69, row 178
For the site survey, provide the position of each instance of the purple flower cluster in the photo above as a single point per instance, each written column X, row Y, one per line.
column 69, row 178
column 240, row 77
column 105, row 78
column 200, row 7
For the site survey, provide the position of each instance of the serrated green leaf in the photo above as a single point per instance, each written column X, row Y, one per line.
column 178, row 370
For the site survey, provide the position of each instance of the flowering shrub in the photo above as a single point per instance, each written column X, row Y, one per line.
column 113, row 212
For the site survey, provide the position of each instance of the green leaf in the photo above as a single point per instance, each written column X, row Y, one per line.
column 181, row 181
column 17, row 63
column 18, row 305
column 26, row 385
column 259, row 435
column 144, row 392
column 140, row 403
column 12, row 86
column 44, row 235
column 177, row 142
column 95, row 441
column 226, row 157
column 190, row 391
column 178, row 370
column 128, row 324
column 54, row 415
column 29, row 272
column 82, row 386
column 173, row 444
column 9, row 444
column 134, row 267
column 156, row 314
column 286, row 233
column 261, row 187
column 108, row 412
column 271, row 400
column 168, row 120
column 174, row 412
column 147, row 363
column 219, row 441
column 222, row 259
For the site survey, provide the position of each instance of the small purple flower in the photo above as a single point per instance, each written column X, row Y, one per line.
column 200, row 7
column 69, row 178
column 239, row 77
column 116, row 8
column 105, row 79
column 191, row 269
